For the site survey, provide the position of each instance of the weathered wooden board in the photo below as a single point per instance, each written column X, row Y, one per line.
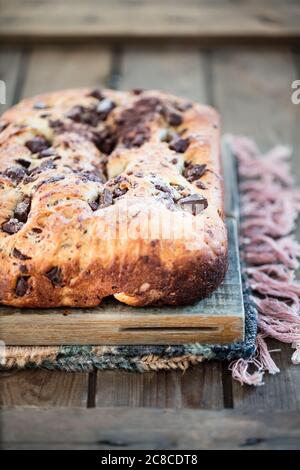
column 216, row 319
column 32, row 19
column 141, row 428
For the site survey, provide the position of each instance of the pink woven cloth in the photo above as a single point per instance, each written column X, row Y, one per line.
column 270, row 205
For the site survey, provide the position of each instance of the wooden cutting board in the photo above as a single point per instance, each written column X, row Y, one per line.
column 217, row 319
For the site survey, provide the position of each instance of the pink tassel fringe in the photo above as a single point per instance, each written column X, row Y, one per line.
column 270, row 205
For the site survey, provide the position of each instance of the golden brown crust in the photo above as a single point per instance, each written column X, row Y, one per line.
column 83, row 176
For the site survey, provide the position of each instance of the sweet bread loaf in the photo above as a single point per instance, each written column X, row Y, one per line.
column 110, row 193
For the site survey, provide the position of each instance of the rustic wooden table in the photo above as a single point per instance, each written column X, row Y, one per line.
column 250, row 84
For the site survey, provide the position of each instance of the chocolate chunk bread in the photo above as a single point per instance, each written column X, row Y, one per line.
column 110, row 193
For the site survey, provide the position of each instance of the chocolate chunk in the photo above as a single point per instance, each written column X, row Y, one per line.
column 174, row 119
column 104, row 108
column 18, row 254
column 15, row 173
column 97, row 93
column 23, row 268
column 76, row 113
column 106, row 198
column 40, row 105
column 132, row 125
column 22, row 210
column 163, row 188
column 179, row 145
column 174, row 161
column 137, row 137
column 56, row 124
column 37, row 230
column 45, row 165
column 105, row 141
column 96, row 176
column 12, row 226
column 54, row 275
column 137, row 91
column 52, row 179
column 194, row 172
column 94, row 205
column 183, row 106
column 22, row 286
column 3, row 126
column 119, row 192
column 201, row 185
column 37, row 144
column 49, row 152
column 24, row 163
column 194, row 203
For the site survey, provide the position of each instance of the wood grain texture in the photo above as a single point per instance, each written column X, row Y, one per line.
column 127, row 428
column 252, row 90
column 11, row 60
column 56, row 68
column 165, row 389
column 42, row 388
column 33, row 19
column 177, row 69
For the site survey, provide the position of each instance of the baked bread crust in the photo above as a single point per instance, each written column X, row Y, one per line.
column 71, row 162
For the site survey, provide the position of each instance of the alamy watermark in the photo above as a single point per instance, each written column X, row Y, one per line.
column 2, row 92
column 295, row 97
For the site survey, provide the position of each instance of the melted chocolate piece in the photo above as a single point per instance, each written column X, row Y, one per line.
column 24, row 163
column 12, row 226
column 37, row 144
column 91, row 116
column 96, row 176
column 194, row 172
column 56, row 124
column 105, row 141
column 3, row 126
column 22, row 286
column 174, row 119
column 18, row 254
column 132, row 128
column 97, row 93
column 201, row 185
column 54, row 275
column 16, row 174
column 106, row 198
column 52, row 179
column 22, row 210
column 49, row 152
column 179, row 145
column 163, row 188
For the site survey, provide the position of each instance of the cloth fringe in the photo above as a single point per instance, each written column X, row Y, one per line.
column 270, row 205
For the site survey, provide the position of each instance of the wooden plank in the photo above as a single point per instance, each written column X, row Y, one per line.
column 10, row 67
column 173, row 68
column 51, row 69
column 127, row 428
column 152, row 18
column 42, row 388
column 216, row 319
column 252, row 90
column 56, row 68
column 165, row 389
